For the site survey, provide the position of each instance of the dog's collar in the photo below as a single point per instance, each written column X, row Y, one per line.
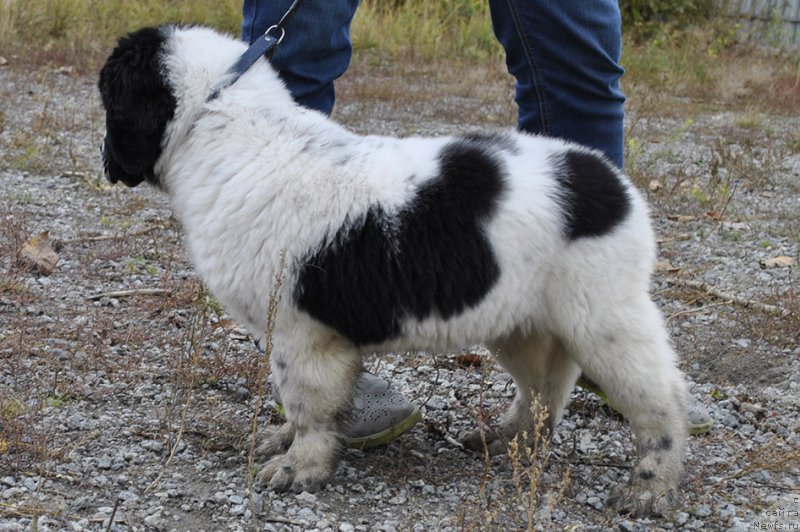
column 264, row 46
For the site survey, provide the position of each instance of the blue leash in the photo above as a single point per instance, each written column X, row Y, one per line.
column 264, row 46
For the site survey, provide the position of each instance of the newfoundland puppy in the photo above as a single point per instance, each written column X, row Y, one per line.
column 540, row 249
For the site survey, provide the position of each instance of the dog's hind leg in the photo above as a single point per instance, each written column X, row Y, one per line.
column 316, row 388
column 626, row 351
column 539, row 365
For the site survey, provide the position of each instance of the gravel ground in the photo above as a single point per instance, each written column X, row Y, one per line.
column 134, row 411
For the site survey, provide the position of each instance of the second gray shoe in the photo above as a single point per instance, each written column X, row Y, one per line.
column 380, row 414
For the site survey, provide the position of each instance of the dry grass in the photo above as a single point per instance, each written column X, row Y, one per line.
column 529, row 454
column 79, row 32
column 525, row 483
column 419, row 30
column 704, row 67
column 706, row 63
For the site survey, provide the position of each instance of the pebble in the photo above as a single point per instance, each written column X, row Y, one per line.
column 305, row 514
column 434, row 403
column 31, row 483
column 155, row 521
column 702, row 510
column 128, row 496
column 10, row 493
column 306, row 497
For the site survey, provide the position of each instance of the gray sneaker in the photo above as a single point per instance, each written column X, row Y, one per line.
column 697, row 417
column 379, row 415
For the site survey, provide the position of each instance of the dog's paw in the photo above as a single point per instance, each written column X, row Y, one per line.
column 641, row 502
column 281, row 475
column 479, row 441
column 275, row 441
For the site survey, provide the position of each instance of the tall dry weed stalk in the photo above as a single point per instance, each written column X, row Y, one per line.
column 261, row 370
column 529, row 453
column 185, row 382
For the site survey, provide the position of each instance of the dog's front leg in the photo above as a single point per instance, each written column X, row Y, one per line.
column 316, row 388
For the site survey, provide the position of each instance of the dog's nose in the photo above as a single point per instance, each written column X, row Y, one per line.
column 104, row 155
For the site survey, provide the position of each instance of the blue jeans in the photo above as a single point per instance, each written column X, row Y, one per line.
column 564, row 55
column 317, row 47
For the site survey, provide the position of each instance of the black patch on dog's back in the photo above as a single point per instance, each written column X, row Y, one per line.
column 596, row 200
column 432, row 257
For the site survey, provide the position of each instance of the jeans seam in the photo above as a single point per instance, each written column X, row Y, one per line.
column 252, row 25
column 532, row 65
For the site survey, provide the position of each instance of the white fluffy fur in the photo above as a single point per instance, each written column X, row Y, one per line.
column 254, row 177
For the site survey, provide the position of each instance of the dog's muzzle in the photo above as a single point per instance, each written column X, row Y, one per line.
column 104, row 155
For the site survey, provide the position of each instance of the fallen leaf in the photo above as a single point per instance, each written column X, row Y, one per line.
column 224, row 324
column 714, row 215
column 679, row 236
column 683, row 218
column 3, row 61
column 39, row 251
column 469, row 359
column 778, row 262
column 666, row 266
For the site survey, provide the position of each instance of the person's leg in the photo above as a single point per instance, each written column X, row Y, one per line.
column 565, row 58
column 316, row 50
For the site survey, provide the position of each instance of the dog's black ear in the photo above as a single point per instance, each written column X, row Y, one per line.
column 138, row 104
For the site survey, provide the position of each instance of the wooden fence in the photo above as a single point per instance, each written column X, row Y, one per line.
column 777, row 21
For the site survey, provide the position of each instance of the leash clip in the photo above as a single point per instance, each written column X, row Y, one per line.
column 276, row 27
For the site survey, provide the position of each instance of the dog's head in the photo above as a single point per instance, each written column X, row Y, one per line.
column 139, row 104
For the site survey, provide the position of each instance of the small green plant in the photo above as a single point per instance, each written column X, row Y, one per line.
column 699, row 195
column 54, row 400
column 718, row 395
column 722, row 40
column 11, row 407
column 645, row 16
column 140, row 265
column 214, row 305
column 749, row 122
column 733, row 236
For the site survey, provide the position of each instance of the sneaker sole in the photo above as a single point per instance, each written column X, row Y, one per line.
column 694, row 429
column 388, row 435
column 379, row 438
column 700, row 428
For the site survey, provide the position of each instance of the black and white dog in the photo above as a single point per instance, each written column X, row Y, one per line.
column 535, row 247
